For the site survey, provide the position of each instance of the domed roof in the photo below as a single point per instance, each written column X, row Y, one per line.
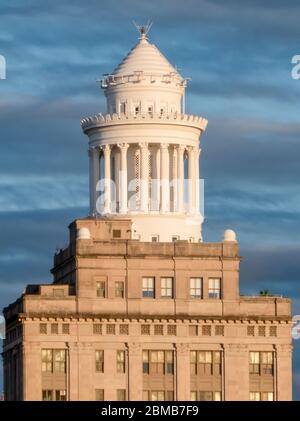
column 145, row 57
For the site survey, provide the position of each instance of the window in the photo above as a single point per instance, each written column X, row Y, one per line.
column 116, row 233
column 145, row 329
column 254, row 396
column 100, row 286
column 267, row 396
column 54, row 328
column 145, row 395
column 110, row 329
column 158, row 362
column 158, row 329
column 205, row 363
column 193, row 395
column 157, row 395
column 146, row 362
column 261, row 331
column 205, row 396
column 121, row 395
column 148, row 287
column 47, row 360
column 150, row 109
column 59, row 359
column 266, row 359
column 219, row 330
column 196, row 287
column 193, row 330
column 100, row 361
column 273, row 331
column 206, row 330
column 155, row 238
column 172, row 330
column 250, row 330
column 124, row 329
column 214, row 288
column 97, row 329
column 120, row 361
column 123, row 107
column 254, row 363
column 175, row 238
column 136, row 110
column 119, row 289
column 66, row 328
column 53, row 360
column 166, row 285
column 43, row 328
column 60, row 395
column 99, row 394
column 261, row 396
column 47, row 395
column 261, row 363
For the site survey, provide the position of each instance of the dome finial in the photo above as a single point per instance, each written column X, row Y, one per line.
column 143, row 29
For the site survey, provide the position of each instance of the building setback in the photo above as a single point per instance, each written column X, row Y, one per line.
column 141, row 308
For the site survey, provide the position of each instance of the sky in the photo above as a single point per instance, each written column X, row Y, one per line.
column 238, row 55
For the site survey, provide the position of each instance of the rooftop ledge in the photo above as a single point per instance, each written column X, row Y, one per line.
column 164, row 118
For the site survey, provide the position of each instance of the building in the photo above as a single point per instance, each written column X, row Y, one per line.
column 141, row 308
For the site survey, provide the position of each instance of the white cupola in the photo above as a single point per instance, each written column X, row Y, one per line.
column 144, row 152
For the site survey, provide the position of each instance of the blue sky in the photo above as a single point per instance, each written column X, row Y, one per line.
column 238, row 54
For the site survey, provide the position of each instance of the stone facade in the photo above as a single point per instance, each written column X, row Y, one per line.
column 100, row 332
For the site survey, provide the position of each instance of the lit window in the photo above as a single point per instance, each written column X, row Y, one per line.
column 214, row 288
column 166, row 290
column 196, row 287
column 100, row 287
column 267, row 396
column 254, row 363
column 266, row 363
column 157, row 395
column 59, row 358
column 99, row 394
column 148, row 287
column 119, row 289
column 47, row 360
column 193, row 395
column 121, row 395
column 100, row 361
column 120, row 361
column 60, row 395
column 205, row 396
column 254, row 396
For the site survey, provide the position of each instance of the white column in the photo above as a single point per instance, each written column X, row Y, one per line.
column 197, row 179
column 107, row 179
column 164, row 178
column 174, row 180
column 156, row 186
column 123, row 178
column 94, row 163
column 180, row 174
column 144, row 182
column 191, row 177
